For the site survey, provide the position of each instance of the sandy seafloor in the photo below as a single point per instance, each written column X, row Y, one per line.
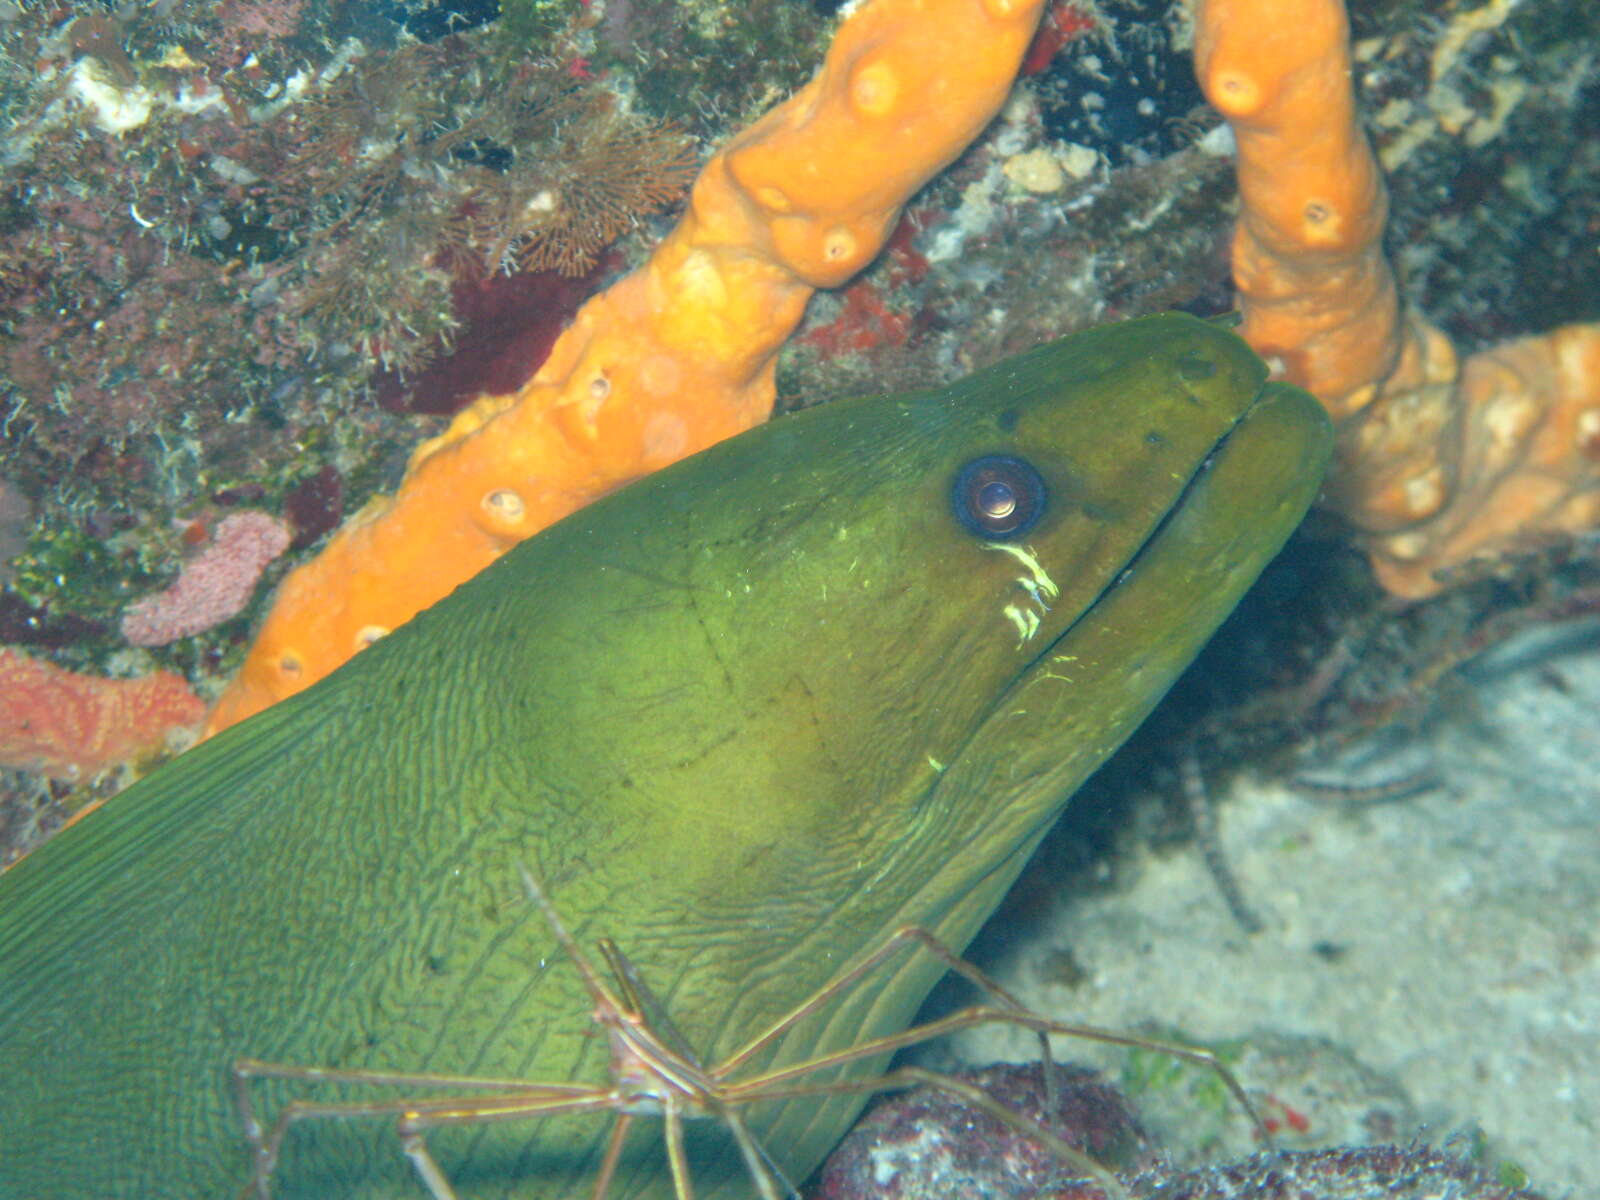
column 1428, row 965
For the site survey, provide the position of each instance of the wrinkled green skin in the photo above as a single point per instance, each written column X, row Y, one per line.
column 747, row 717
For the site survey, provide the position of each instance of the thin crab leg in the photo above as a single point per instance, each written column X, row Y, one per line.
column 644, row 1002
column 770, row 1085
column 763, row 1086
column 906, row 1077
column 613, row 1154
column 906, row 934
column 413, row 1124
column 592, row 982
column 677, row 1156
column 756, row 1160
column 414, row 1114
column 426, row 1166
column 655, row 1070
column 246, row 1069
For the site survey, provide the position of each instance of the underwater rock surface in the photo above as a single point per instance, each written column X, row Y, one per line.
column 922, row 1145
column 1437, row 951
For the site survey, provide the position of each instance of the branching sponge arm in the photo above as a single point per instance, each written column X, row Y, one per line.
column 1307, row 256
column 1440, row 463
column 675, row 356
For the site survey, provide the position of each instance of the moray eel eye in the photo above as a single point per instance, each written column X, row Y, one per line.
column 998, row 496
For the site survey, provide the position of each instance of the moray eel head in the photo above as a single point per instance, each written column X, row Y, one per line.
column 745, row 718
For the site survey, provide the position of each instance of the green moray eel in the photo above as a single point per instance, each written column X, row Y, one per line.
column 746, row 717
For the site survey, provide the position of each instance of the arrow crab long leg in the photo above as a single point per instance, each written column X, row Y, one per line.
column 655, row 1072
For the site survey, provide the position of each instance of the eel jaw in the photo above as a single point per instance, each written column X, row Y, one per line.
column 1088, row 688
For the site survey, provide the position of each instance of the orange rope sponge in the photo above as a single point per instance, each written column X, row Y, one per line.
column 675, row 356
column 1440, row 463
column 1318, row 296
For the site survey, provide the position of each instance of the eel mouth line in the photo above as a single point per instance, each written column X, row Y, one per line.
column 1180, row 503
column 1148, row 546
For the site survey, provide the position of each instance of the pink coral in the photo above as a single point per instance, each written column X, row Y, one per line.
column 214, row 586
column 67, row 725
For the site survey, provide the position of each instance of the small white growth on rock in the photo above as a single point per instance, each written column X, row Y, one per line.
column 889, row 1160
column 1079, row 162
column 1036, row 171
column 116, row 109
